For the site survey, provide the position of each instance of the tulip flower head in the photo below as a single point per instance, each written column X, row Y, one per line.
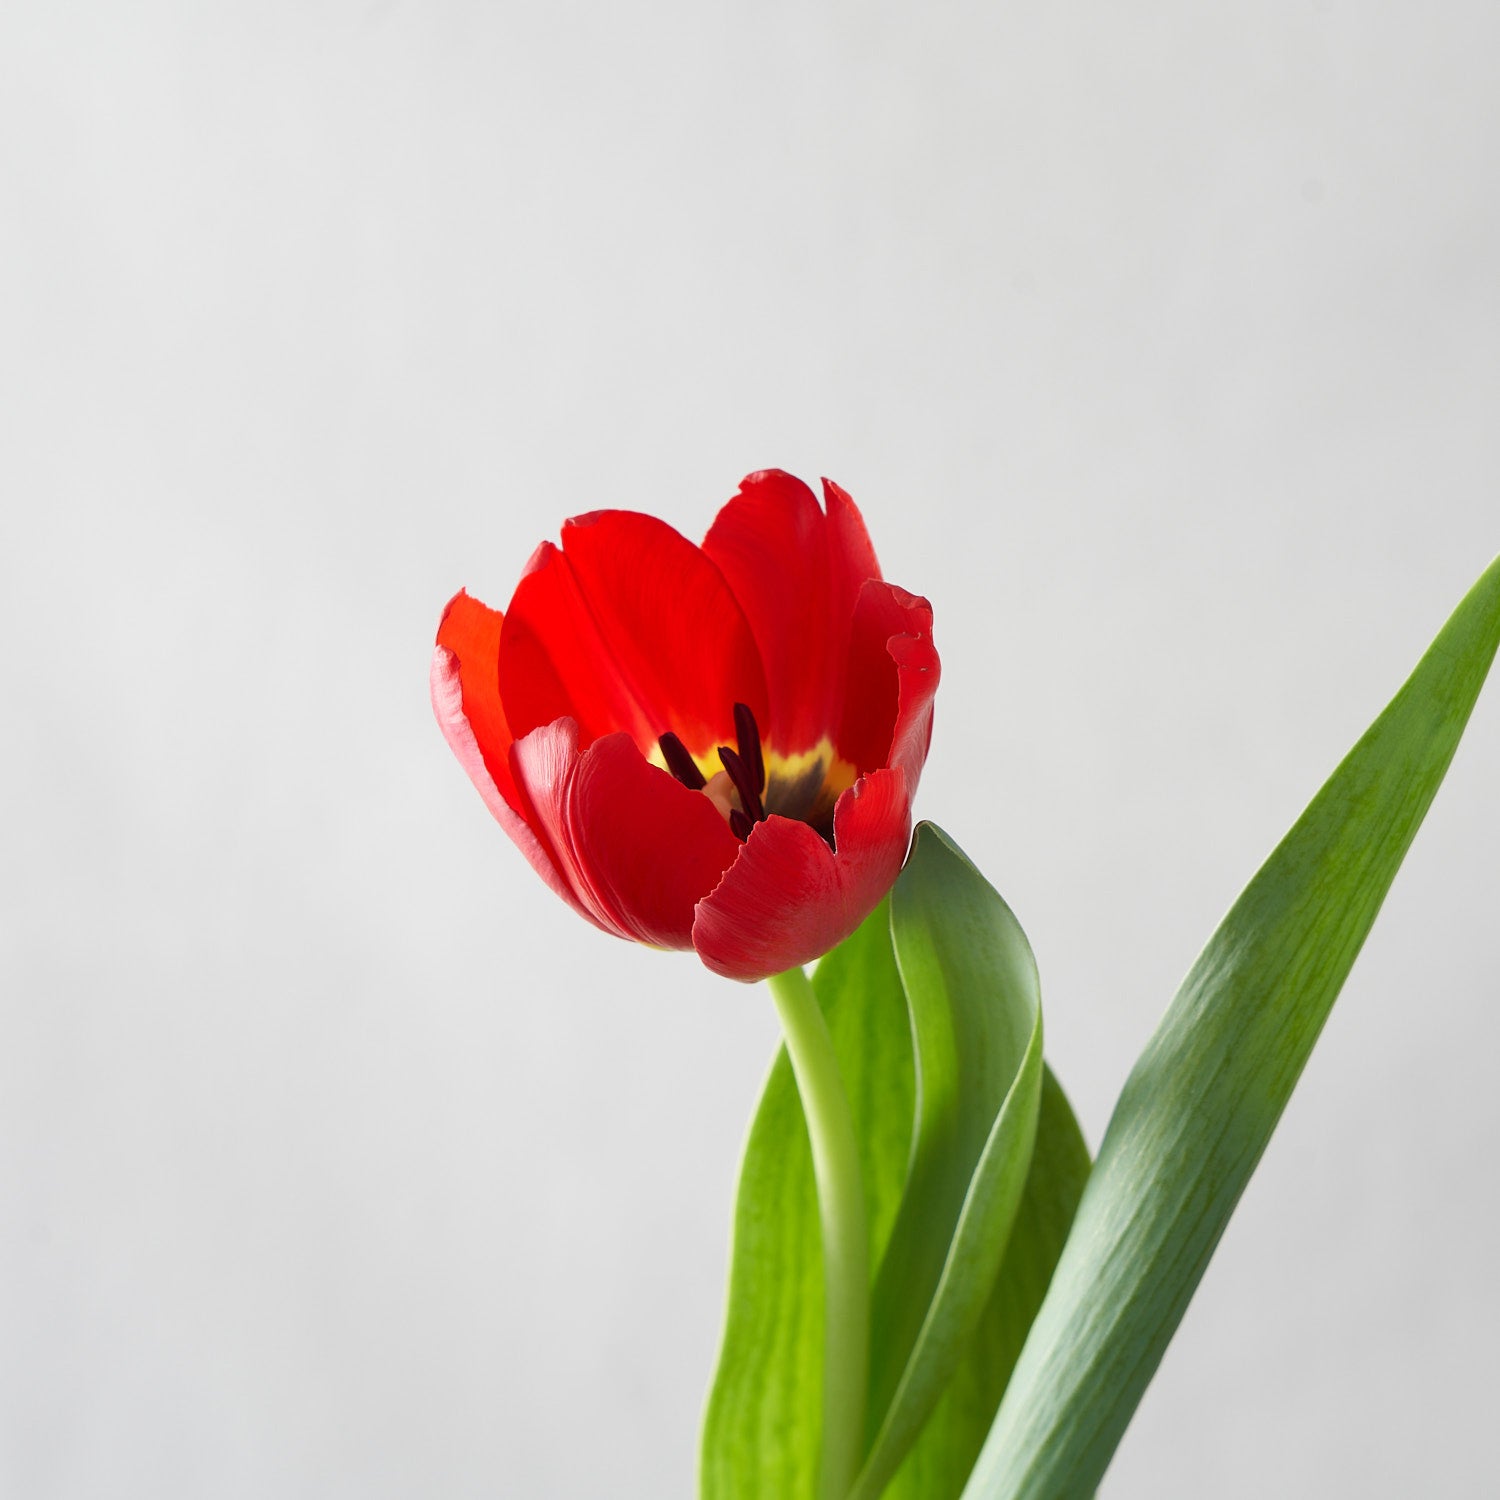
column 708, row 747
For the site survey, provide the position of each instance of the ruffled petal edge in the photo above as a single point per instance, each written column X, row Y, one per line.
column 789, row 898
column 893, row 677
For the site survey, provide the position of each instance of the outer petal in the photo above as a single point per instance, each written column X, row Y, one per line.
column 628, row 626
column 893, row 675
column 637, row 848
column 469, row 713
column 470, row 633
column 798, row 573
column 851, row 554
column 789, row 898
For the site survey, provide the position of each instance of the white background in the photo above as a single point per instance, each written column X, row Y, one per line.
column 1159, row 345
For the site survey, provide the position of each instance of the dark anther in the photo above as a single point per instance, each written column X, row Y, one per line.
column 745, row 767
column 744, row 783
column 748, row 736
column 680, row 763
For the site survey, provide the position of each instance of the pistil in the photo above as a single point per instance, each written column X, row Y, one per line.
column 744, row 782
column 745, row 767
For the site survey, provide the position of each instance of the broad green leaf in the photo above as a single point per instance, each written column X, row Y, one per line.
column 971, row 986
column 939, row 1464
column 762, row 1427
column 1206, row 1094
column 761, row 1430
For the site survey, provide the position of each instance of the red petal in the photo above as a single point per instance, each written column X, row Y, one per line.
column 628, row 626
column 798, row 574
column 789, row 898
column 851, row 553
column 893, row 674
column 469, row 713
column 471, row 632
column 637, row 847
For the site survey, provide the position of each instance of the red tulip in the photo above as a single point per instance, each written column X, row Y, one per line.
column 711, row 748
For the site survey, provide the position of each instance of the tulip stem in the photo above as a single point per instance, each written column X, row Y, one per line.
column 841, row 1211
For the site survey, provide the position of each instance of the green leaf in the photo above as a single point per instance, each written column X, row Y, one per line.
column 973, row 1005
column 971, row 986
column 762, row 1426
column 1206, row 1094
column 939, row 1464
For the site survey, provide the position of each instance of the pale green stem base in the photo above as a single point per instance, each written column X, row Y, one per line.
column 841, row 1210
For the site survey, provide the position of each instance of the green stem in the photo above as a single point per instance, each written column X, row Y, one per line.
column 841, row 1210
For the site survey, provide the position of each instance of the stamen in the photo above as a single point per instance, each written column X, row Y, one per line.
column 748, row 736
column 680, row 763
column 740, row 775
column 745, row 768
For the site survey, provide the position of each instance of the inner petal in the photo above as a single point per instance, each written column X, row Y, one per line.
column 797, row 571
column 628, row 626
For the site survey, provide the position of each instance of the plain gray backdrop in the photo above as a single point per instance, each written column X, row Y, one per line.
column 1160, row 345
